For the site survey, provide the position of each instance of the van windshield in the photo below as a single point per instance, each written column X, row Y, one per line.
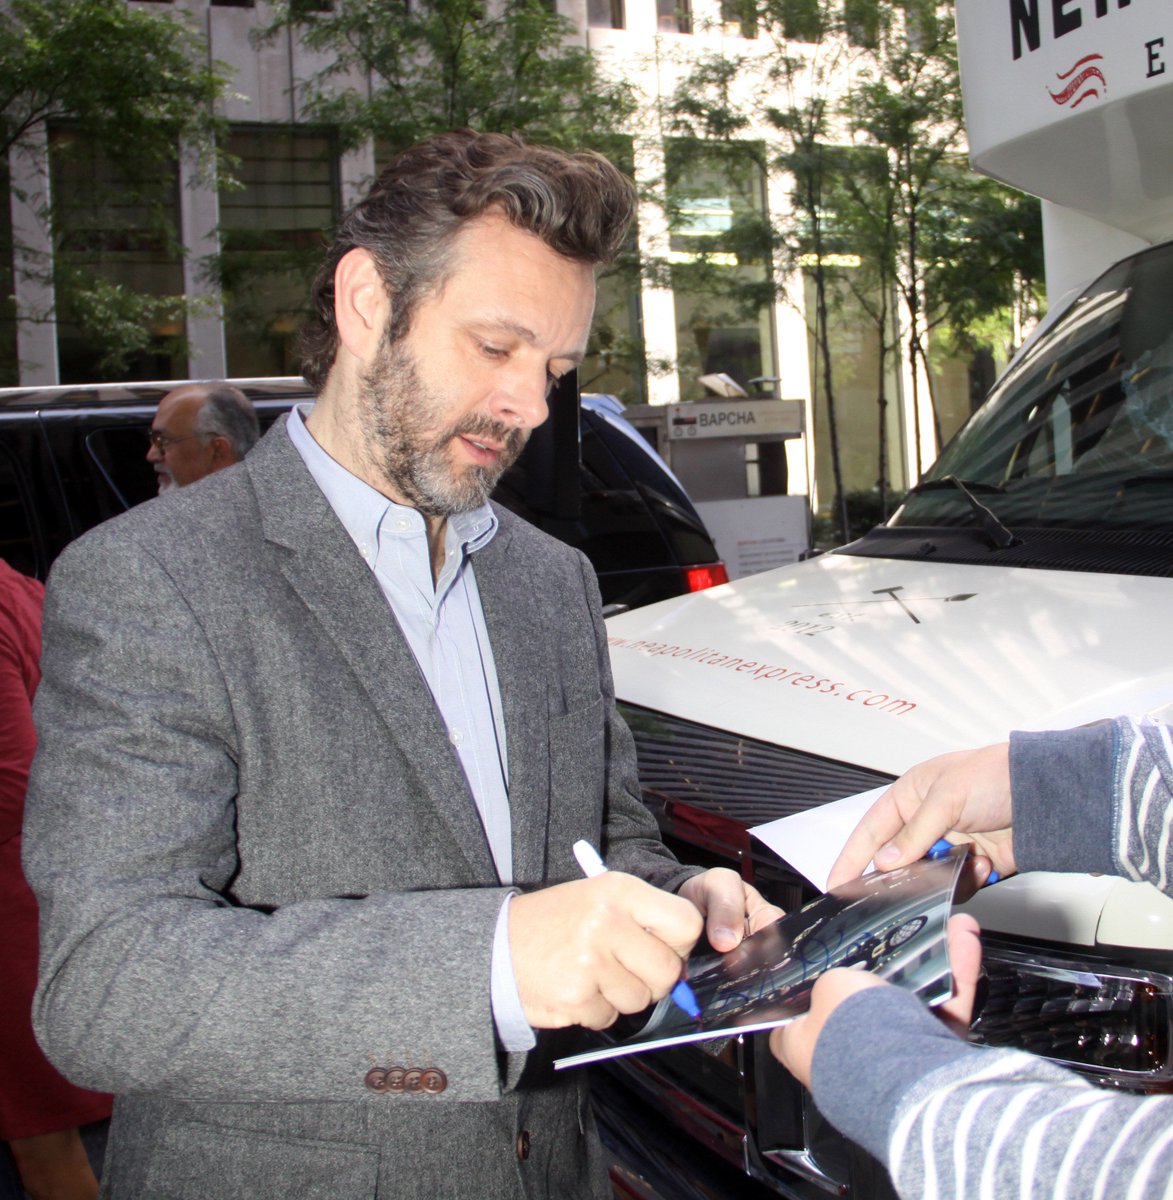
column 1079, row 433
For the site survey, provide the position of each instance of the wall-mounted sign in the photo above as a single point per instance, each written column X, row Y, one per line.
column 756, row 420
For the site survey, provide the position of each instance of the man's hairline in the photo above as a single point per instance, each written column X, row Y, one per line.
column 448, row 261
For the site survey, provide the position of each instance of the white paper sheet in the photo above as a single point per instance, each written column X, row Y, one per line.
column 810, row 841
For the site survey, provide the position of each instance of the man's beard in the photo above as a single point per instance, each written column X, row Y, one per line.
column 398, row 415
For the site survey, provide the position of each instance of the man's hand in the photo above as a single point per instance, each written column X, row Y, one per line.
column 794, row 1044
column 586, row 951
column 963, row 793
column 731, row 907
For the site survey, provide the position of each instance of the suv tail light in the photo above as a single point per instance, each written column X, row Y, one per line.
column 709, row 575
column 1113, row 1023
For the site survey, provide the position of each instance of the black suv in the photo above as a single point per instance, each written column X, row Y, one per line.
column 71, row 457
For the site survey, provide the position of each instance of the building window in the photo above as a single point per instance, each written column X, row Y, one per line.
column 674, row 16
column 606, row 14
column 739, row 18
column 234, row 3
column 920, row 23
column 720, row 264
column 117, row 265
column 273, row 231
column 861, row 21
column 802, row 20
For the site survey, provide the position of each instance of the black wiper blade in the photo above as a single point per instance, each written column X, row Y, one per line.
column 1147, row 477
column 949, row 482
column 999, row 535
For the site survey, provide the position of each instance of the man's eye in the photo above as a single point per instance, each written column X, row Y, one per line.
column 493, row 351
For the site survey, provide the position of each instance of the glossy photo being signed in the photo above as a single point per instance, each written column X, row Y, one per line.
column 891, row 923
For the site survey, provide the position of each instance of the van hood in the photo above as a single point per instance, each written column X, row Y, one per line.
column 884, row 663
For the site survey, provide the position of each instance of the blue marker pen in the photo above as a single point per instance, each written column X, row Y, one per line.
column 592, row 864
column 942, row 846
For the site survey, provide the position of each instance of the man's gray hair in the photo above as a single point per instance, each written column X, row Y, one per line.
column 229, row 413
column 576, row 202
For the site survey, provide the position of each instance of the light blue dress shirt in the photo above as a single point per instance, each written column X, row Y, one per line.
column 444, row 624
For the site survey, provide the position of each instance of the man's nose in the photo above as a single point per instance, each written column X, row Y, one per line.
column 154, row 454
column 522, row 402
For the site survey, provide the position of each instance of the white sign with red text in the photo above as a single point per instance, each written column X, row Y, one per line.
column 1071, row 100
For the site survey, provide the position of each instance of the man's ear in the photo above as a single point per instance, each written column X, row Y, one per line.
column 222, row 453
column 361, row 304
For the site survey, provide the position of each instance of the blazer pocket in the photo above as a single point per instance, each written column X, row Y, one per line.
column 191, row 1160
column 577, row 759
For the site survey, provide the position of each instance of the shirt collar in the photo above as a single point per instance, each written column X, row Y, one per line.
column 362, row 510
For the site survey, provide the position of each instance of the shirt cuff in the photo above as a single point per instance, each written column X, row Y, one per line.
column 508, row 1015
column 1062, row 787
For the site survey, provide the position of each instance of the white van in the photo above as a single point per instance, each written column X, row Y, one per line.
column 1026, row 582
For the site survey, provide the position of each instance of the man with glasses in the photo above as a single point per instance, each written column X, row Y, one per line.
column 200, row 428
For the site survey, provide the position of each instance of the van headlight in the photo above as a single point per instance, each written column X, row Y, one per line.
column 1111, row 1022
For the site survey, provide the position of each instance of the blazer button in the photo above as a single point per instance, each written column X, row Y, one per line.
column 412, row 1079
column 376, row 1079
column 395, row 1079
column 434, row 1081
column 523, row 1145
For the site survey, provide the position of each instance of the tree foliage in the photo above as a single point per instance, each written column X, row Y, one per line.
column 399, row 72
column 863, row 114
column 126, row 78
column 127, row 83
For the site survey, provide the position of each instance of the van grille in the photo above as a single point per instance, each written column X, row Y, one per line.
column 735, row 777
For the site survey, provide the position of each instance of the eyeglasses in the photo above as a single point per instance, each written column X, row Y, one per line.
column 161, row 440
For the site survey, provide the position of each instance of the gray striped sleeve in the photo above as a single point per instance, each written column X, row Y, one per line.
column 1007, row 1124
column 982, row 1124
column 1143, row 801
column 1096, row 798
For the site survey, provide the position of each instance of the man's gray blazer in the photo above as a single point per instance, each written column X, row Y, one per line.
column 260, row 868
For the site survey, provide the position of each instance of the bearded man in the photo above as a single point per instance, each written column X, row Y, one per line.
column 318, row 736
column 198, row 429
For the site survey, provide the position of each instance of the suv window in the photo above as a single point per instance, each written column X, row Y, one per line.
column 18, row 540
column 119, row 455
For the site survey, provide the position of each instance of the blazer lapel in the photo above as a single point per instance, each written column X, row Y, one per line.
column 513, row 620
column 325, row 569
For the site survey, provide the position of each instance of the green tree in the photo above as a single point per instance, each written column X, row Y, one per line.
column 103, row 78
column 886, row 218
column 861, row 208
column 807, row 76
column 966, row 253
column 398, row 72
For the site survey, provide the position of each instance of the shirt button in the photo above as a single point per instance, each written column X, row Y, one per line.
column 456, row 737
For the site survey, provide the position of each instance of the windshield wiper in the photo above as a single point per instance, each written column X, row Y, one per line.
column 1147, row 477
column 999, row 535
